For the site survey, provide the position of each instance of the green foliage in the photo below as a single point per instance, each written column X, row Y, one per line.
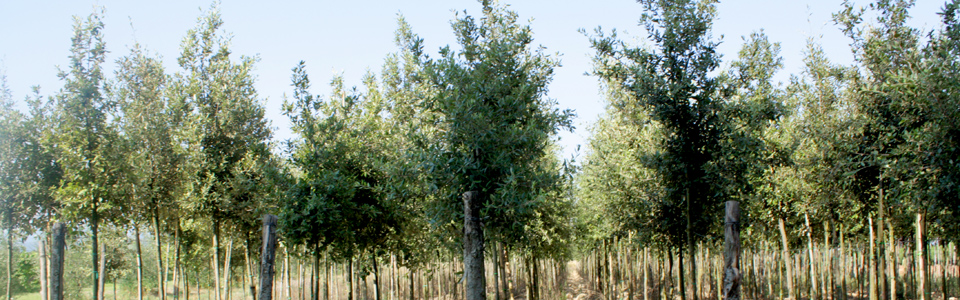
column 494, row 128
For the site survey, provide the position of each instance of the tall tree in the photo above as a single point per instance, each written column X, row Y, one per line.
column 228, row 133
column 84, row 135
column 672, row 85
column 150, row 124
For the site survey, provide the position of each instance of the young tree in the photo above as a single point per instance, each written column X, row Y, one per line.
column 672, row 86
column 150, row 125
column 228, row 133
column 85, row 137
column 495, row 124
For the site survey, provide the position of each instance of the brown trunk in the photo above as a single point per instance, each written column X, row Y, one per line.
column 267, row 257
column 731, row 251
column 136, row 231
column 891, row 262
column 475, row 282
column 810, row 257
column 785, row 252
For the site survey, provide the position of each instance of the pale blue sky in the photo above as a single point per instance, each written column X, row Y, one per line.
column 350, row 37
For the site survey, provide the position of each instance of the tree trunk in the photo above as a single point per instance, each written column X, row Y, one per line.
column 731, row 251
column 178, row 271
column 161, row 277
column 248, row 273
column 923, row 289
column 891, row 262
column 496, row 270
column 376, row 277
column 267, row 257
column 691, row 247
column 812, row 262
column 44, row 280
column 475, row 283
column 874, row 291
column 103, row 266
column 95, row 256
column 9, row 258
column 350, row 279
column 680, row 269
column 56, row 261
column 785, row 252
column 226, row 270
column 216, row 258
column 136, row 231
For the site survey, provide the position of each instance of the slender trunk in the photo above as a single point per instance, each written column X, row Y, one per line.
column 843, row 266
column 350, row 278
column 248, row 274
column 692, row 249
column 680, row 269
column 872, row 264
column 161, row 276
column 812, row 265
column 891, row 262
column 267, row 268
column 881, row 248
column 178, row 271
column 496, row 270
column 136, row 231
column 646, row 273
column 923, row 291
column 216, row 258
column 226, row 270
column 785, row 252
column 95, row 256
column 44, row 280
column 376, row 277
column 9, row 258
column 286, row 270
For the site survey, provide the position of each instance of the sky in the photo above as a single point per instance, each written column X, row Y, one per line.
column 352, row 37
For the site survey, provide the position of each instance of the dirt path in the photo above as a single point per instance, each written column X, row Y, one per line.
column 577, row 287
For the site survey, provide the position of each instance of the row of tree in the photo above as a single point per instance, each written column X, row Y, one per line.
column 867, row 150
column 372, row 173
column 376, row 173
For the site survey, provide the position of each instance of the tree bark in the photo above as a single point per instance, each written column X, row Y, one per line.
column 376, row 276
column 136, row 231
column 226, row 270
column 56, row 261
column 891, row 262
column 731, row 251
column 267, row 257
column 103, row 266
column 475, row 282
column 178, row 272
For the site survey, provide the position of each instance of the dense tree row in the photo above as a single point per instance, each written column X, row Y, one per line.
column 375, row 177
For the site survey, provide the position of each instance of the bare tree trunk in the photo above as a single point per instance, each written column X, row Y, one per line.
column 226, row 270
column 248, row 273
column 56, row 261
column 785, row 252
column 178, row 270
column 136, row 231
column 475, row 282
column 731, row 251
column 891, row 262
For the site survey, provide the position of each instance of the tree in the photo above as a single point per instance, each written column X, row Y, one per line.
column 495, row 125
column 150, row 125
column 227, row 131
column 85, row 137
column 672, row 86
